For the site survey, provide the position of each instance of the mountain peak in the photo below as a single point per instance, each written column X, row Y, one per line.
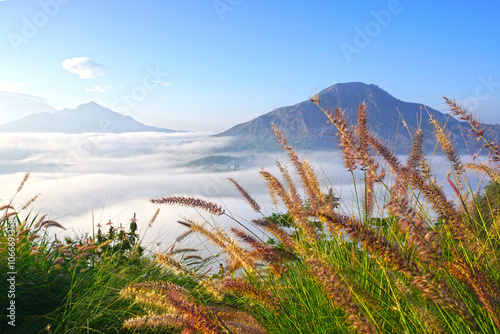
column 88, row 106
column 351, row 87
column 87, row 117
column 305, row 126
column 350, row 84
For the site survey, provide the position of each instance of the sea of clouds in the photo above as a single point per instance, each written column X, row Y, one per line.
column 91, row 178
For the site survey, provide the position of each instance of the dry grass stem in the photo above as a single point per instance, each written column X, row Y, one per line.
column 213, row 208
column 246, row 196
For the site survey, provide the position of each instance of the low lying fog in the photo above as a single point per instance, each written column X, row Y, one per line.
column 88, row 178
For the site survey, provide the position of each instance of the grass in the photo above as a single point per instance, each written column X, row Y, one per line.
column 71, row 286
column 410, row 258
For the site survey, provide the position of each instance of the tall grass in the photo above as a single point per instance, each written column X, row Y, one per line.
column 413, row 259
column 69, row 286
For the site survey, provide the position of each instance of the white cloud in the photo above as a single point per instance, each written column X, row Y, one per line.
column 113, row 176
column 12, row 87
column 84, row 67
column 17, row 102
column 161, row 83
column 98, row 89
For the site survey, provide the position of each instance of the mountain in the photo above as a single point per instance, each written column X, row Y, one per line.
column 89, row 117
column 306, row 126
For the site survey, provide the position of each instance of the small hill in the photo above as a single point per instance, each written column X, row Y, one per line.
column 216, row 163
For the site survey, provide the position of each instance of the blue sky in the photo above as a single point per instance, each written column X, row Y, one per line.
column 208, row 65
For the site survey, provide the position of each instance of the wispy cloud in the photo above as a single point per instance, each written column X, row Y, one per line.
column 10, row 90
column 98, row 89
column 161, row 83
column 84, row 67
column 12, row 87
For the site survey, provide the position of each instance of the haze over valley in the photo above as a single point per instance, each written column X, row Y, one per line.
column 91, row 164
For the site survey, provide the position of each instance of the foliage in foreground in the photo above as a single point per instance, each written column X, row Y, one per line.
column 69, row 286
column 411, row 260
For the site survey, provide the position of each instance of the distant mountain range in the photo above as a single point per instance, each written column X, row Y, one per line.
column 89, row 117
column 306, row 126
